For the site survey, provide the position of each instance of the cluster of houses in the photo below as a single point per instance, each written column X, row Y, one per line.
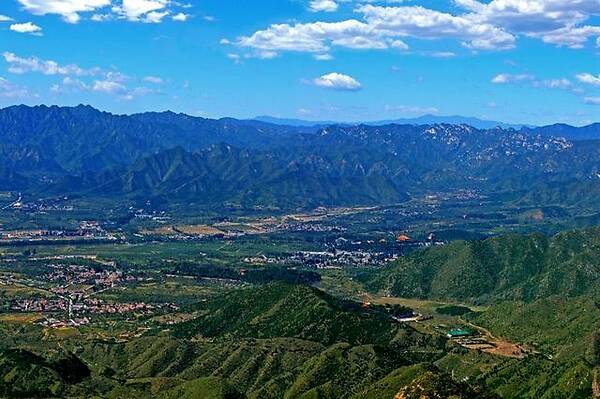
column 87, row 230
column 85, row 306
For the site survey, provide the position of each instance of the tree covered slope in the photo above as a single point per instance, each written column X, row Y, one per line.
column 512, row 267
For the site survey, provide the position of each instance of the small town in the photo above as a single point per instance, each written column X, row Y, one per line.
column 66, row 293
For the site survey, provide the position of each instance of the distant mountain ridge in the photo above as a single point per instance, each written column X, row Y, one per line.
column 80, row 150
column 421, row 120
column 589, row 132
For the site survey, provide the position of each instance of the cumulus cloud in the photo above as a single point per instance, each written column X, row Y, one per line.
column 108, row 86
column 323, row 5
column 338, row 81
column 180, row 17
column 75, row 78
column 556, row 22
column 236, row 58
column 69, row 85
column 13, row 91
column 492, row 25
column 570, row 36
column 20, row 65
column 4, row 18
column 589, row 79
column 320, row 37
column 563, row 83
column 504, row 78
column 149, row 11
column 153, row 79
column 70, row 10
column 379, row 28
column 323, row 57
column 531, row 81
column 27, row 27
column 424, row 23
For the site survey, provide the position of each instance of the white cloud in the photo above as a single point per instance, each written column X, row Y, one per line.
column 441, row 54
column 570, row 36
column 142, row 10
column 534, row 82
column 77, row 79
column 155, row 17
column 153, row 79
column 236, row 58
column 148, row 11
column 180, row 17
column 554, row 21
column 589, row 79
column 338, row 81
column 492, row 25
column 137, row 92
column 69, row 85
column 101, row 17
column 112, row 83
column 19, row 65
column 323, row 57
column 74, row 77
column 108, row 86
column 563, row 83
column 424, row 23
column 323, row 5
column 304, row 111
column 504, row 78
column 27, row 27
column 311, row 37
column 13, row 91
column 399, row 44
column 4, row 18
column 68, row 9
column 380, row 28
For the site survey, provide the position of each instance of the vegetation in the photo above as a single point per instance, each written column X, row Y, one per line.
column 280, row 310
column 453, row 310
column 24, row 374
column 558, row 326
column 168, row 157
column 219, row 227
column 500, row 268
column 595, row 349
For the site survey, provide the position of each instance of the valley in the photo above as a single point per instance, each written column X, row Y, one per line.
column 229, row 259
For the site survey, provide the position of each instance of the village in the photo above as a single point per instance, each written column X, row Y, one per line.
column 86, row 231
column 66, row 295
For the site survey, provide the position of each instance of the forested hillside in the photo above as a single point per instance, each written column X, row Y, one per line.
column 511, row 267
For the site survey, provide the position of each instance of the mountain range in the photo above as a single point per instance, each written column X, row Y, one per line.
column 83, row 151
column 421, row 120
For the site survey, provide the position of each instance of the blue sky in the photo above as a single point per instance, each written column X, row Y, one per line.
column 520, row 61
